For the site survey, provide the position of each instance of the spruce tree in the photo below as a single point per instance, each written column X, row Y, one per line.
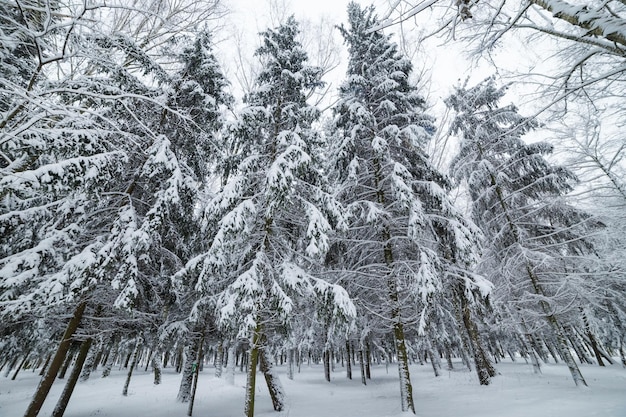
column 270, row 223
column 536, row 245
column 401, row 222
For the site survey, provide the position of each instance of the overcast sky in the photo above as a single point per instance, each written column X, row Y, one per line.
column 248, row 17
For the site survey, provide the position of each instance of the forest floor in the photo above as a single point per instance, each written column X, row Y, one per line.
column 515, row 392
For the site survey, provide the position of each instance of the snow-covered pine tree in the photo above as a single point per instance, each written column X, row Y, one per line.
column 96, row 199
column 401, row 220
column 537, row 250
column 192, row 121
column 273, row 215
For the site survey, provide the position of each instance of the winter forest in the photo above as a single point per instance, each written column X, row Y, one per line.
column 175, row 210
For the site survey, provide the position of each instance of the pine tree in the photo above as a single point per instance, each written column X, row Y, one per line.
column 401, row 220
column 536, row 244
column 97, row 188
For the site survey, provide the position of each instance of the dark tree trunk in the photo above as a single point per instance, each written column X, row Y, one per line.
column 348, row 360
column 89, row 364
column 46, row 382
column 291, row 353
column 326, row 360
column 59, row 410
column 135, row 356
column 368, row 363
column 277, row 394
column 362, row 366
column 196, row 372
column 433, row 362
column 45, row 364
column 20, row 366
column 68, row 360
column 484, row 369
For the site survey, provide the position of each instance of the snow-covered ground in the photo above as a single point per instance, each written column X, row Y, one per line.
column 516, row 392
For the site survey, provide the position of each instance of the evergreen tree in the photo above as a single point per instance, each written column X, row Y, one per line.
column 401, row 220
column 537, row 247
column 273, row 215
column 97, row 188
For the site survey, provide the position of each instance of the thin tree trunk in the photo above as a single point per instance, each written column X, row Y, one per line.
column 592, row 339
column 368, row 358
column 532, row 351
column 290, row 362
column 21, row 365
column 148, row 360
column 156, row 368
column 348, row 360
column 565, row 353
column 252, row 365
column 433, row 363
column 46, row 382
column 64, row 400
column 135, row 356
column 45, row 364
column 484, row 368
column 449, row 357
column 89, row 364
column 68, row 360
column 277, row 394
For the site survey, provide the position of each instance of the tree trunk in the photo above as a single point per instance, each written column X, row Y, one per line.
column 219, row 358
column 532, row 351
column 277, row 394
column 68, row 360
column 191, row 357
column 149, row 360
column 433, row 363
column 484, row 369
column 59, row 410
column 406, row 389
column 348, row 361
column 252, row 365
column 326, row 359
column 135, row 356
column 362, row 366
column 231, row 364
column 592, row 339
column 89, row 364
column 156, row 368
column 290, row 362
column 449, row 357
column 368, row 363
column 20, row 365
column 46, row 382
column 565, row 352
column 196, row 372
column 45, row 364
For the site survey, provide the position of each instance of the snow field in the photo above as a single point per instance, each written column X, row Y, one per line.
column 515, row 392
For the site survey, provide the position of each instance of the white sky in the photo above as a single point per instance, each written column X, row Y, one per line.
column 249, row 17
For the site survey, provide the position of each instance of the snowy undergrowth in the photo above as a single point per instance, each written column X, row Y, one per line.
column 515, row 392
